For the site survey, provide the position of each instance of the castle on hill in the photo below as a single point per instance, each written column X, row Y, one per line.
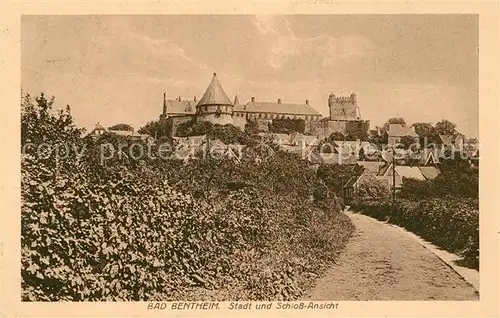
column 216, row 107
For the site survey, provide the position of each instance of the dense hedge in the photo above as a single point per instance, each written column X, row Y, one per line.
column 450, row 222
column 150, row 229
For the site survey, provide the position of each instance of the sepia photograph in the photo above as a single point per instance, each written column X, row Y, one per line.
column 202, row 159
column 249, row 158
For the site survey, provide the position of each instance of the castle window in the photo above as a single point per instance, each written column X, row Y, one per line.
column 305, row 117
column 206, row 108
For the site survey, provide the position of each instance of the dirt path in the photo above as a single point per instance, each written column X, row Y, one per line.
column 383, row 263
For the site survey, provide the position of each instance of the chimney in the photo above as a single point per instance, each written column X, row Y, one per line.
column 194, row 99
column 307, row 102
column 253, row 99
column 279, row 100
column 179, row 98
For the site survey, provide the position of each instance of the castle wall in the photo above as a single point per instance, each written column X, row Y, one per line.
column 323, row 129
column 239, row 122
column 222, row 119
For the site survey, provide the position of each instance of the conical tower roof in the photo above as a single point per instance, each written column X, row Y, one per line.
column 236, row 100
column 214, row 95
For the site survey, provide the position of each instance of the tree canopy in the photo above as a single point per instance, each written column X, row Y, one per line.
column 121, row 126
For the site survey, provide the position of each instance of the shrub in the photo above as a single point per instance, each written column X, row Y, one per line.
column 124, row 231
column 449, row 222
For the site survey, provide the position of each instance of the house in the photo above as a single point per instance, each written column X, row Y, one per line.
column 370, row 167
column 400, row 173
column 200, row 147
column 98, row 130
column 352, row 185
column 298, row 139
column 429, row 173
column 396, row 133
column 279, row 139
column 452, row 142
column 355, row 146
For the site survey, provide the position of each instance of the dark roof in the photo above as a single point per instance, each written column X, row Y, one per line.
column 236, row 100
column 278, row 108
column 214, row 95
column 429, row 172
column 180, row 107
column 351, row 182
column 371, row 166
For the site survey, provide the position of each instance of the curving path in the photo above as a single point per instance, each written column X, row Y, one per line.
column 382, row 262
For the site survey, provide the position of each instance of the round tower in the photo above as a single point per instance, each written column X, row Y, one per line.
column 214, row 106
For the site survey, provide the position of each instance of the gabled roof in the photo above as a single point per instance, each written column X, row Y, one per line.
column 278, row 108
column 280, row 139
column 99, row 127
column 214, row 95
column 352, row 181
column 449, row 140
column 372, row 167
column 400, row 130
column 409, row 172
column 180, row 107
column 301, row 138
column 429, row 172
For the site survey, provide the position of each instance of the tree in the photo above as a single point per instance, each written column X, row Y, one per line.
column 152, row 128
column 445, row 127
column 336, row 136
column 427, row 133
column 252, row 127
column 124, row 127
column 287, row 126
column 335, row 176
column 407, row 142
column 372, row 188
column 40, row 124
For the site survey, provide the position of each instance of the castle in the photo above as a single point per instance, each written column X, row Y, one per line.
column 215, row 107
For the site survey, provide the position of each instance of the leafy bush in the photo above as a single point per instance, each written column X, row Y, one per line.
column 371, row 187
column 287, row 126
column 449, row 222
column 122, row 230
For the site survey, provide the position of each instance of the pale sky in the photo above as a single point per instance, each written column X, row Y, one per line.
column 114, row 69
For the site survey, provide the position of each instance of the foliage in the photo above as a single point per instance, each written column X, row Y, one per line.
column 394, row 120
column 357, row 134
column 370, row 187
column 124, row 127
column 445, row 127
column 157, row 129
column 407, row 142
column 427, row 134
column 251, row 127
column 448, row 182
column 335, row 176
column 287, row 126
column 122, row 229
column 41, row 124
column 450, row 222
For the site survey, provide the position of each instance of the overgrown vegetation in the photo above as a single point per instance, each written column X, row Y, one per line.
column 444, row 210
column 287, row 126
column 143, row 228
